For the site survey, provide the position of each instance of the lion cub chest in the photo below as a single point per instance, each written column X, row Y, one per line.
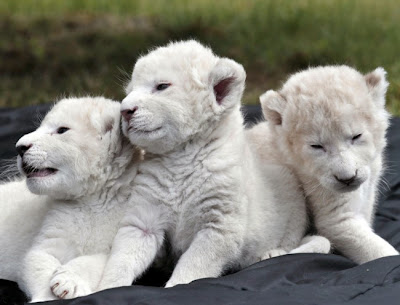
column 90, row 230
column 180, row 188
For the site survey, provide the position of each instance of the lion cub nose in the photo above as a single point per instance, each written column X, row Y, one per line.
column 346, row 181
column 22, row 149
column 128, row 113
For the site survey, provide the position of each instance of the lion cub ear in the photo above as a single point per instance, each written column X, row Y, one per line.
column 105, row 122
column 272, row 104
column 377, row 85
column 109, row 124
column 227, row 81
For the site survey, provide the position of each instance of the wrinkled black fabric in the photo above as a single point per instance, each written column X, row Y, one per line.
column 14, row 123
column 290, row 279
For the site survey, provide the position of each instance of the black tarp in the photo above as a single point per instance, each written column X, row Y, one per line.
column 289, row 279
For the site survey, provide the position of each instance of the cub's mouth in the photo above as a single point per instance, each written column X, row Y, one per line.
column 349, row 187
column 131, row 128
column 33, row 172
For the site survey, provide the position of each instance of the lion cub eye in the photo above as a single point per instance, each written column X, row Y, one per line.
column 356, row 137
column 163, row 86
column 317, row 146
column 61, row 130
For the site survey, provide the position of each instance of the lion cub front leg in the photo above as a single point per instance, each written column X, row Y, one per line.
column 39, row 265
column 351, row 234
column 78, row 277
column 138, row 240
column 207, row 256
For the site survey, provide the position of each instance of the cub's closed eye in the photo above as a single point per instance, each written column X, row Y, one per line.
column 316, row 146
column 356, row 137
column 61, row 130
column 163, row 86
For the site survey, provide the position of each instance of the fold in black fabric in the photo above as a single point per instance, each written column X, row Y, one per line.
column 290, row 279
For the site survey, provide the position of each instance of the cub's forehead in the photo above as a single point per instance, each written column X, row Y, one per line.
column 324, row 122
column 66, row 111
column 328, row 93
column 326, row 102
column 337, row 75
column 175, row 59
column 78, row 111
column 329, row 85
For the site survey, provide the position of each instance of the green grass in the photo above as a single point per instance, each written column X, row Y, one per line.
column 52, row 48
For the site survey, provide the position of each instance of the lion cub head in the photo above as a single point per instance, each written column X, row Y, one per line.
column 71, row 151
column 330, row 123
column 177, row 93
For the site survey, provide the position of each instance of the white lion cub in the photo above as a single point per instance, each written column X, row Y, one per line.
column 328, row 125
column 219, row 210
column 79, row 159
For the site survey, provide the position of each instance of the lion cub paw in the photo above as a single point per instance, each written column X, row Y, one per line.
column 273, row 253
column 66, row 284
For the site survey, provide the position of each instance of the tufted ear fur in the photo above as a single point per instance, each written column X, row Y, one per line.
column 377, row 85
column 273, row 104
column 227, row 82
column 109, row 124
column 106, row 121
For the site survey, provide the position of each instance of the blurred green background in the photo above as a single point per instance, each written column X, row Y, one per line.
column 51, row 48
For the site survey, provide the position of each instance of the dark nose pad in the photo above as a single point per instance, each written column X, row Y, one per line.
column 22, row 149
column 346, row 181
column 128, row 113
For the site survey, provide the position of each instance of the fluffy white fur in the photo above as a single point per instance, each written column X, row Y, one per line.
column 20, row 219
column 216, row 206
column 80, row 161
column 328, row 125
